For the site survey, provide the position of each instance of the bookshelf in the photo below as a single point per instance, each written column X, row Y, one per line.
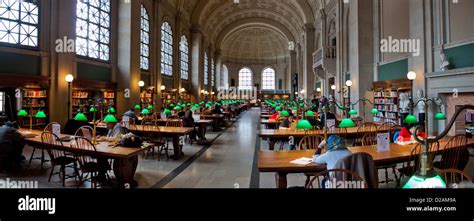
column 80, row 101
column 33, row 101
column 146, row 97
column 387, row 99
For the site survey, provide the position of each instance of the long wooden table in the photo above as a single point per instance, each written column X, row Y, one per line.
column 176, row 133
column 202, row 125
column 125, row 159
column 279, row 161
column 274, row 134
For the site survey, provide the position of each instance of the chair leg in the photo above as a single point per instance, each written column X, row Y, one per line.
column 51, row 173
column 42, row 158
column 387, row 179
column 32, row 156
column 63, row 173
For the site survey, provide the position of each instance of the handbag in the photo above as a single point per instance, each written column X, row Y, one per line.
column 131, row 140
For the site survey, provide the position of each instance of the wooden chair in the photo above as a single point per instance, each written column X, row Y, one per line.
column 48, row 128
column 390, row 127
column 310, row 143
column 369, row 139
column 452, row 177
column 341, row 132
column 152, row 135
column 85, row 131
column 367, row 128
column 350, row 179
column 174, row 123
column 58, row 157
column 455, row 154
column 413, row 164
column 88, row 163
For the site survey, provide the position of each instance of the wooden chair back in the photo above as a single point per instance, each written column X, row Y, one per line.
column 310, row 142
column 455, row 153
column 330, row 179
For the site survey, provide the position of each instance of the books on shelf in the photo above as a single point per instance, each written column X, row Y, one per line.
column 109, row 95
column 80, row 95
column 34, row 94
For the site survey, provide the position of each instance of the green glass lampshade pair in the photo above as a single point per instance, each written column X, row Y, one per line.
column 411, row 119
column 40, row 114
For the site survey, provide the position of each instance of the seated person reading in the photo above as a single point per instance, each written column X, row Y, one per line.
column 115, row 130
column 336, row 150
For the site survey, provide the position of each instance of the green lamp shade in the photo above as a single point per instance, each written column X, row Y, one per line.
column 302, row 105
column 93, row 109
column 353, row 112
column 342, row 107
column 183, row 105
column 189, row 104
column 110, row 119
column 145, row 111
column 278, row 108
column 171, row 105
column 112, row 110
column 194, row 108
column 347, row 123
column 208, row 105
column 410, row 119
column 440, row 116
column 295, row 108
column 284, row 114
column 167, row 112
column 428, row 182
column 137, row 106
column 310, row 114
column 40, row 115
column 374, row 111
column 304, row 125
column 22, row 113
column 80, row 117
column 178, row 108
column 150, row 107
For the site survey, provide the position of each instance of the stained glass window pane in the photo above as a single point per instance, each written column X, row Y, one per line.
column 166, row 49
column 268, row 79
column 184, row 49
column 93, row 29
column 19, row 22
column 245, row 79
column 144, row 40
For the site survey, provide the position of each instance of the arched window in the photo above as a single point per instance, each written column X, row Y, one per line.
column 93, row 29
column 19, row 22
column 166, row 49
column 225, row 77
column 213, row 73
column 206, row 69
column 268, row 79
column 144, row 40
column 184, row 49
column 245, row 79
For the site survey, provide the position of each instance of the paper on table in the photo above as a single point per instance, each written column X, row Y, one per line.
column 383, row 142
column 302, row 161
column 56, row 129
column 331, row 124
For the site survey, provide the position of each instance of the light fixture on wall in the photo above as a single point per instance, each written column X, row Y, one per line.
column 183, row 90
column 163, row 87
column 333, row 87
column 318, row 89
column 69, row 79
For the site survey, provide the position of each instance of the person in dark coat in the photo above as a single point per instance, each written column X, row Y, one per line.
column 11, row 144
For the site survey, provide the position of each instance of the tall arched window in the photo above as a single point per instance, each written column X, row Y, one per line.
column 206, row 69
column 184, row 49
column 93, row 29
column 213, row 73
column 144, row 40
column 166, row 49
column 245, row 79
column 268, row 79
column 225, row 77
column 19, row 22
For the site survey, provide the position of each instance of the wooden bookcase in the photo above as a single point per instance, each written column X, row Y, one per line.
column 33, row 101
column 387, row 99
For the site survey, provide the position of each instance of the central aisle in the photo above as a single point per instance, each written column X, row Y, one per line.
column 228, row 163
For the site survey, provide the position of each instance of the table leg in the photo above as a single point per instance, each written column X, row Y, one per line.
column 124, row 170
column 282, row 181
column 271, row 144
column 202, row 131
column 178, row 149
